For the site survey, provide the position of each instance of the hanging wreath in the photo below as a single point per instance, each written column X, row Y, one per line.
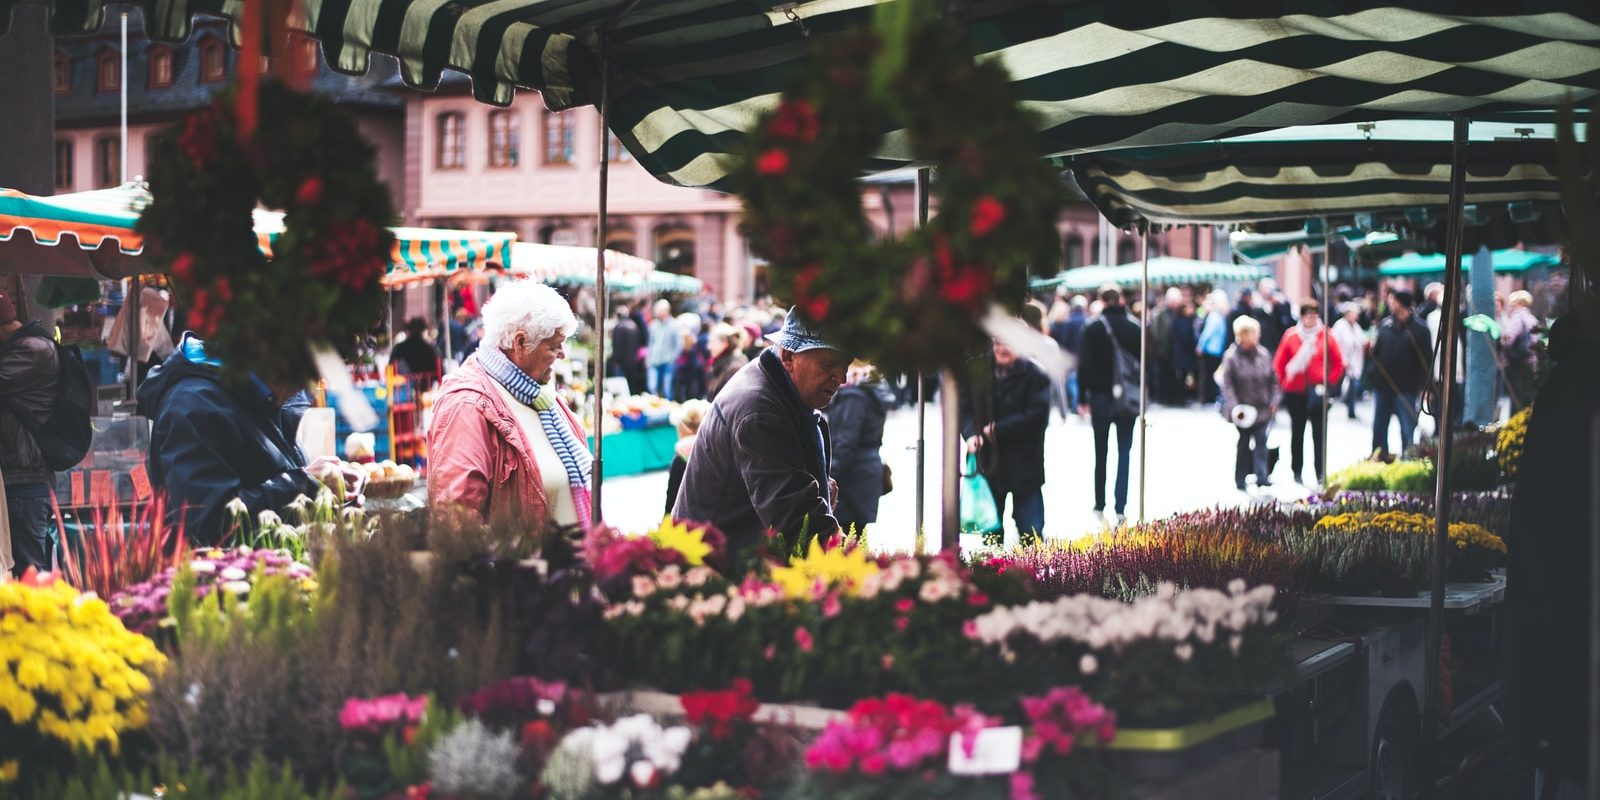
column 915, row 303
column 323, row 281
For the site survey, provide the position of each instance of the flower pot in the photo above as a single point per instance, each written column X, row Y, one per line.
column 1160, row 755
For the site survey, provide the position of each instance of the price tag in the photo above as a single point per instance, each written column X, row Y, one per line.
column 100, row 489
column 991, row 751
column 141, row 482
column 78, row 494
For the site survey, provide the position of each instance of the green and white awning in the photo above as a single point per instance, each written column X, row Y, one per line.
column 1164, row 271
column 1346, row 171
column 692, row 75
column 1504, row 261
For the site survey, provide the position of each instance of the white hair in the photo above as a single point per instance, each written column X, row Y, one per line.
column 529, row 307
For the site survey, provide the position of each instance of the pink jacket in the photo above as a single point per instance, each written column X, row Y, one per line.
column 477, row 455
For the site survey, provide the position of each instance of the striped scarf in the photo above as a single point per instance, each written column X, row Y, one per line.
column 574, row 454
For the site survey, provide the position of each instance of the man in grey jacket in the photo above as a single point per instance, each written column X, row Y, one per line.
column 762, row 460
column 29, row 371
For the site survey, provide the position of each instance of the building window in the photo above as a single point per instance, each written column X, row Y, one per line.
column 621, row 242
column 160, row 67
column 1074, row 251
column 213, row 63
column 64, row 165
column 109, row 72
column 505, row 138
column 558, row 136
column 63, row 74
column 1127, row 252
column 452, row 144
column 107, row 162
column 615, row 152
column 675, row 249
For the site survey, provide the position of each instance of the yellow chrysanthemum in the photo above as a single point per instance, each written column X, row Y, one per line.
column 9, row 770
column 1462, row 534
column 691, row 544
column 846, row 568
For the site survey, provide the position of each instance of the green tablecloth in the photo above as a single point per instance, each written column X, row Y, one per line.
column 635, row 452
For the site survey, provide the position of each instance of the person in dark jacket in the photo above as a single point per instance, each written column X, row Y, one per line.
column 1400, row 362
column 1098, row 380
column 1011, row 447
column 1185, row 360
column 686, row 419
column 1069, row 334
column 762, row 460
column 856, row 418
column 726, row 358
column 416, row 355
column 211, row 444
column 29, row 374
column 627, row 351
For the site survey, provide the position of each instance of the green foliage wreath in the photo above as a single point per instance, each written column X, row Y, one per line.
column 915, row 303
column 323, row 281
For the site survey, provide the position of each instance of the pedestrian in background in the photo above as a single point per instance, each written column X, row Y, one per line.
column 1400, row 358
column 856, row 418
column 727, row 357
column 1112, row 338
column 661, row 354
column 1185, row 363
column 1352, row 341
column 1250, row 397
column 686, row 419
column 1069, row 334
column 1216, row 332
column 1161, row 335
column 1299, row 363
column 1010, row 448
column 689, row 371
column 29, row 373
column 1519, row 351
column 627, row 351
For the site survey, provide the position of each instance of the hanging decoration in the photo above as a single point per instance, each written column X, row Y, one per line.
column 916, row 303
column 306, row 158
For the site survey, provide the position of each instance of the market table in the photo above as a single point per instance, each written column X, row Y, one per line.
column 631, row 452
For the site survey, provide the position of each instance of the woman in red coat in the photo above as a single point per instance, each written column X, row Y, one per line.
column 1299, row 364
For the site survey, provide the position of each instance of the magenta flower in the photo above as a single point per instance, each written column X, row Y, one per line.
column 378, row 714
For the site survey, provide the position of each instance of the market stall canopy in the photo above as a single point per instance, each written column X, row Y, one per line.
column 1504, row 261
column 567, row 265
column 102, row 223
column 1349, row 170
column 691, row 77
column 1164, row 271
column 1266, row 248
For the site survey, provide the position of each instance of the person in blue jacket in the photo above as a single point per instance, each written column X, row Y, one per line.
column 212, row 443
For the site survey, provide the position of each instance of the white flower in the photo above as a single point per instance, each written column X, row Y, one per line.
column 670, row 577
column 643, row 586
column 735, row 609
column 1088, row 664
column 233, row 574
column 236, row 587
column 545, row 707
column 1235, row 642
column 697, row 577
column 1236, row 586
column 1184, row 651
column 613, row 612
column 237, row 508
column 201, row 566
column 678, row 603
column 642, row 772
column 269, row 519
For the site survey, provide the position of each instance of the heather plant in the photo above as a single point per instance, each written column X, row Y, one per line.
column 1388, row 552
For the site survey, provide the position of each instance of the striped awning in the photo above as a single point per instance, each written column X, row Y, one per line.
column 1164, row 271
column 100, row 219
column 691, row 76
column 565, row 265
column 1397, row 167
column 1509, row 260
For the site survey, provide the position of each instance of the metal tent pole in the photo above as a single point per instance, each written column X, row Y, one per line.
column 950, row 410
column 1441, row 523
column 922, row 395
column 1144, row 357
column 122, row 144
column 1327, row 342
column 602, row 313
column 1594, row 601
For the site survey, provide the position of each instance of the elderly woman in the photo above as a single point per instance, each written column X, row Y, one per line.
column 726, row 357
column 501, row 442
column 1519, row 349
column 1250, row 397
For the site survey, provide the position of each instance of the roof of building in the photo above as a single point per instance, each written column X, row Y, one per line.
column 87, row 105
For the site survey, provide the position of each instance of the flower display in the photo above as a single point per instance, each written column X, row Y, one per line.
column 521, row 700
column 823, row 568
column 720, row 711
column 473, row 760
column 634, row 752
column 1389, row 551
column 1510, row 439
column 143, row 607
column 616, row 557
column 898, row 733
column 1060, row 718
column 72, row 677
column 1463, row 535
column 380, row 714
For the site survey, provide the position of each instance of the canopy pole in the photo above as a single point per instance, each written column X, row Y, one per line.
column 922, row 395
column 131, row 304
column 122, row 144
column 1441, row 522
column 1144, row 356
column 1327, row 342
column 950, row 409
column 602, row 312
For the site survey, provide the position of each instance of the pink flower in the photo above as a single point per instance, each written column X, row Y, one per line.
column 802, row 637
column 904, row 605
column 379, row 713
column 1022, row 786
column 770, row 652
column 969, row 629
column 874, row 764
column 901, row 623
column 887, row 661
column 830, row 606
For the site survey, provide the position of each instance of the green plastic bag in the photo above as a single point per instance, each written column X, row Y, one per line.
column 978, row 511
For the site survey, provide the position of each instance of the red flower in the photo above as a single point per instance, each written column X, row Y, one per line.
column 197, row 139
column 538, row 733
column 720, row 709
column 806, row 277
column 224, row 289
column 817, row 307
column 773, row 162
column 968, row 289
column 796, row 119
column 420, row 791
column 350, row 254
column 802, row 637
column 977, row 599
column 183, row 269
column 987, row 215
column 904, row 605
column 310, row 191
